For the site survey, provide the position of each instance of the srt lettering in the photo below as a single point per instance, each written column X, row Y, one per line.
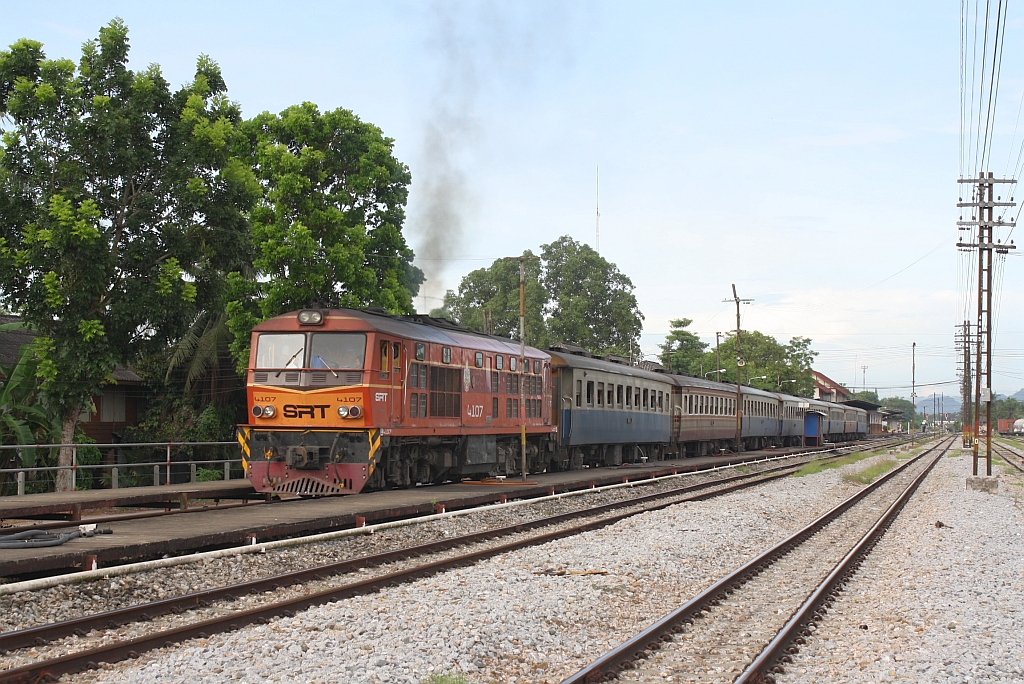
column 305, row 410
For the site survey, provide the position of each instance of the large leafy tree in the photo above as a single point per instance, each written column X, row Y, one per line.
column 327, row 229
column 488, row 300
column 682, row 351
column 120, row 201
column 572, row 295
column 591, row 301
column 768, row 364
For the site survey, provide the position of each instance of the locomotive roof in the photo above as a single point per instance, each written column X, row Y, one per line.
column 419, row 327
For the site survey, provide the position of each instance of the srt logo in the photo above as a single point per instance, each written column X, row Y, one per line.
column 381, row 396
column 305, row 410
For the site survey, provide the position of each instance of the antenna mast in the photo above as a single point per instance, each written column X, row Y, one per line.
column 598, row 229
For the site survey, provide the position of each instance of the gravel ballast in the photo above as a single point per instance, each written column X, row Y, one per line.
column 932, row 603
column 535, row 615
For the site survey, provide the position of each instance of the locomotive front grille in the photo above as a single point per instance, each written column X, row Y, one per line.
column 309, row 486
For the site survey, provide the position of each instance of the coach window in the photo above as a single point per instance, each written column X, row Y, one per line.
column 479, row 359
column 645, row 397
column 590, row 392
column 618, row 395
column 661, row 401
column 579, row 392
column 600, row 394
column 629, row 397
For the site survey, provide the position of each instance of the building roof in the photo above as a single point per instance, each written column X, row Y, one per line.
column 13, row 341
column 827, row 384
column 860, row 403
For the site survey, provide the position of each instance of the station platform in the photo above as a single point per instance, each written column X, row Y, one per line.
column 148, row 538
column 71, row 505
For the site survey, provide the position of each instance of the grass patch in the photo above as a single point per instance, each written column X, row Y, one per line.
column 742, row 469
column 446, row 678
column 871, row 473
column 817, row 466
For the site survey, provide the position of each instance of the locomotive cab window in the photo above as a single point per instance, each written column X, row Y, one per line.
column 275, row 350
column 499, row 362
column 337, row 350
column 421, row 351
column 536, row 367
column 479, row 359
column 512, row 363
column 446, row 354
column 385, row 348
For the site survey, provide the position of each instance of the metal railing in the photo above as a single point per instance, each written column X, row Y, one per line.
column 116, row 468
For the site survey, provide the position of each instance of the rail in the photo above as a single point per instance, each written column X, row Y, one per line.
column 115, row 469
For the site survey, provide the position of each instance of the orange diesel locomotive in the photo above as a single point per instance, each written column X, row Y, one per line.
column 341, row 400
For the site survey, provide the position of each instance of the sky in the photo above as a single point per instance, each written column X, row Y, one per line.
column 806, row 152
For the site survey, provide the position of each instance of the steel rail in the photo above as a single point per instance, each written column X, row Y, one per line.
column 1008, row 450
column 780, row 650
column 36, row 636
column 120, row 650
column 621, row 657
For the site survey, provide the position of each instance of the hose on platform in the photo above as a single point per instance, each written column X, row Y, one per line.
column 36, row 539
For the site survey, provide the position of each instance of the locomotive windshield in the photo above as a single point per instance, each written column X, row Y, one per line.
column 276, row 350
column 337, row 350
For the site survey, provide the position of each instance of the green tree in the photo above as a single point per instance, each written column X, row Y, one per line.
column 682, row 351
column 488, row 300
column 119, row 201
column 868, row 395
column 768, row 364
column 327, row 229
column 591, row 303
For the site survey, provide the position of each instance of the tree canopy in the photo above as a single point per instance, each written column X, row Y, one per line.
column 118, row 197
column 573, row 295
column 768, row 364
column 682, row 351
column 327, row 228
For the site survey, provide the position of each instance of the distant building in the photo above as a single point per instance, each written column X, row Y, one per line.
column 827, row 389
column 117, row 406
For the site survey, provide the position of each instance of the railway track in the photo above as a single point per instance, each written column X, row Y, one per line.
column 229, row 607
column 746, row 626
column 1010, row 455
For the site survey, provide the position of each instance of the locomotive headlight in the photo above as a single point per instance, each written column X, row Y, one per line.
column 257, row 410
column 268, row 411
column 310, row 317
column 343, row 411
column 354, row 411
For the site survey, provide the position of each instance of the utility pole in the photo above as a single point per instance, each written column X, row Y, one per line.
column 963, row 345
column 913, row 388
column 739, row 364
column 984, row 201
column 864, row 378
column 718, row 358
column 522, row 354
